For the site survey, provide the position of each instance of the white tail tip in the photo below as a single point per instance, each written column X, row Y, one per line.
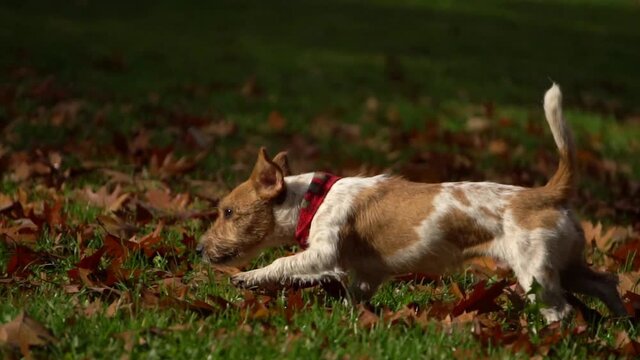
column 552, row 99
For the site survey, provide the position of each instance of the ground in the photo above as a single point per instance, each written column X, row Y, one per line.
column 124, row 122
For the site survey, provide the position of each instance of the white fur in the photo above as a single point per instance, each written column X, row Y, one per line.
column 553, row 113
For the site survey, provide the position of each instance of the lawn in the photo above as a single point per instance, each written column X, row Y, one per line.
column 123, row 123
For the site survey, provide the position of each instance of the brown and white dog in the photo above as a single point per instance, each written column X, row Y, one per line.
column 370, row 228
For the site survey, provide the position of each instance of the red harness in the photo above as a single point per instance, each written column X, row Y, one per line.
column 313, row 198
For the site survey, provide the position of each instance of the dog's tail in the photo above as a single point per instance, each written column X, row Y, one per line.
column 561, row 183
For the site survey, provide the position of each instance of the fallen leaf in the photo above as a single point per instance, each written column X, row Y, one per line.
column 628, row 254
column 116, row 227
column 498, row 147
column 162, row 200
column 147, row 242
column 294, row 303
column 129, row 337
column 481, row 298
column 53, row 213
column 276, row 121
column 366, row 318
column 21, row 259
column 23, row 332
column 102, row 198
column 629, row 281
column 6, row 202
column 625, row 345
column 93, row 308
column 168, row 166
column 23, row 232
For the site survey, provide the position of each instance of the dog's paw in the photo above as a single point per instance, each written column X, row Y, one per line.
column 250, row 280
column 243, row 281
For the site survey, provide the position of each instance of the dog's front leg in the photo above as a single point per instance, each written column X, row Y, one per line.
column 317, row 263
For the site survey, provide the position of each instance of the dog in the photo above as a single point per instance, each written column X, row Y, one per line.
column 368, row 229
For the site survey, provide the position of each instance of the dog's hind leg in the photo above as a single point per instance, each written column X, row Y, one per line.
column 539, row 267
column 551, row 295
column 581, row 279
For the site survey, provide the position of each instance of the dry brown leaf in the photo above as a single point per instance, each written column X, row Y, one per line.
column 457, row 292
column 405, row 315
column 23, row 332
column 174, row 286
column 465, row 317
column 24, row 231
column 604, row 242
column 276, row 121
column 220, row 129
column 366, row 318
column 625, row 345
column 498, row 147
column 169, row 166
column 118, row 176
column 130, row 338
column 93, row 308
column 102, row 198
column 629, row 281
column 5, row 202
column 162, row 200
column 116, row 227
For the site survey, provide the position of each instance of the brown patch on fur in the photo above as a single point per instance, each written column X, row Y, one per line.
column 461, row 229
column 384, row 217
column 561, row 183
column 460, row 195
column 536, row 208
column 481, row 249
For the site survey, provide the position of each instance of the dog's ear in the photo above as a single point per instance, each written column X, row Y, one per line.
column 267, row 177
column 282, row 160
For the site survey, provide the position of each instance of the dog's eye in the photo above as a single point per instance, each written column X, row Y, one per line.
column 228, row 213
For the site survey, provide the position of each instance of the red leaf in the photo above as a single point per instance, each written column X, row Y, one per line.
column 21, row 259
column 115, row 247
column 294, row 303
column 629, row 251
column 480, row 299
column 53, row 213
column 189, row 241
column 632, row 303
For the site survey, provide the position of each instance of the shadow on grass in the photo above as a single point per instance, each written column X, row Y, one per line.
column 327, row 51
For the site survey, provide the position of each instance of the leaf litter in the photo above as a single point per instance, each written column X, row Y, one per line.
column 145, row 191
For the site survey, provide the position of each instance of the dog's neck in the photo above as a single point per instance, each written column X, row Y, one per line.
column 287, row 214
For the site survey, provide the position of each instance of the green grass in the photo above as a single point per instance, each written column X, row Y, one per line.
column 147, row 65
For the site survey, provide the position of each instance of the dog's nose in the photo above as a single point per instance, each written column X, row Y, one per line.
column 199, row 249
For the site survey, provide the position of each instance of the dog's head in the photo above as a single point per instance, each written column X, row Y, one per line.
column 245, row 219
